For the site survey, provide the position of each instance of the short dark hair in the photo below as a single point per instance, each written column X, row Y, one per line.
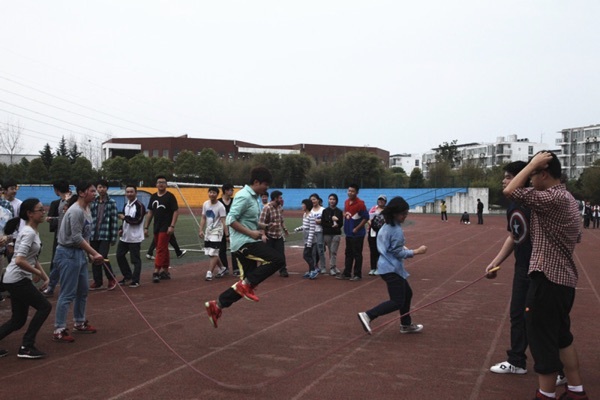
column 102, row 182
column 308, row 204
column 397, row 205
column 354, row 186
column 160, row 177
column 83, row 186
column 514, row 167
column 554, row 167
column 227, row 186
column 62, row 186
column 275, row 194
column 261, row 175
column 8, row 183
column 214, row 189
column 131, row 185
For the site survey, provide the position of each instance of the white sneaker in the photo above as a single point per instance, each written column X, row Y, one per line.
column 221, row 272
column 561, row 380
column 412, row 328
column 332, row 271
column 322, row 271
column 507, row 368
column 208, row 276
column 365, row 321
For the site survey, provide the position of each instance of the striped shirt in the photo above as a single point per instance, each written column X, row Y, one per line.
column 308, row 227
column 555, row 229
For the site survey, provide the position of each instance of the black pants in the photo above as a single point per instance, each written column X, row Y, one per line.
column 278, row 245
column 134, row 254
column 548, row 322
column 354, row 257
column 223, row 255
column 444, row 216
column 54, row 244
column 102, row 247
column 248, row 255
column 596, row 222
column 24, row 295
column 373, row 250
column 480, row 218
column 400, row 298
column 518, row 333
column 172, row 242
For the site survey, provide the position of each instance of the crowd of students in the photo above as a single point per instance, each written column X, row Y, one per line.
column 87, row 224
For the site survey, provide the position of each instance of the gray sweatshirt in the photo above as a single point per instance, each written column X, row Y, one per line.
column 75, row 227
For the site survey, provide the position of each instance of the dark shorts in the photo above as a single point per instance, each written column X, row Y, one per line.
column 548, row 323
column 212, row 245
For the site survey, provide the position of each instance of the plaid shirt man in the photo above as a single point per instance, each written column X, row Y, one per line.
column 107, row 228
column 272, row 215
column 555, row 229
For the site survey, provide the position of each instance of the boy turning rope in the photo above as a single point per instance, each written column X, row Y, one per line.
column 246, row 243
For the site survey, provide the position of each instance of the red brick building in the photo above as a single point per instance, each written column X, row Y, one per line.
column 227, row 149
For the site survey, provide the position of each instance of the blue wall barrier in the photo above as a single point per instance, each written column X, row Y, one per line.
column 292, row 197
column 414, row 197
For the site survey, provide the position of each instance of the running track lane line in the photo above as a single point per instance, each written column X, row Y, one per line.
column 588, row 278
column 268, row 381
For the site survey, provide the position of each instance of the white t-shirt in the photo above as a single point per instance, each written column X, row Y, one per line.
column 317, row 215
column 28, row 245
column 214, row 225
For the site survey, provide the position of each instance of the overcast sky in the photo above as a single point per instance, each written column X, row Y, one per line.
column 404, row 76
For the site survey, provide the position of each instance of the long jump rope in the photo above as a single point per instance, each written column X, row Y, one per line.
column 300, row 368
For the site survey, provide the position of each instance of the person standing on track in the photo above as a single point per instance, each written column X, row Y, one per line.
column 105, row 227
column 444, row 209
column 71, row 259
column 226, row 200
column 272, row 216
column 356, row 217
column 163, row 208
column 308, row 228
column 479, row 212
column 318, row 246
column 213, row 220
column 390, row 242
column 132, row 236
column 555, row 229
column 246, row 242
column 54, row 218
column 332, row 222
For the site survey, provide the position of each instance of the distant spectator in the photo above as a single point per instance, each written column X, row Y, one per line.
column 332, row 221
column 132, row 235
column 318, row 248
column 444, row 209
column 464, row 219
column 479, row 212
column 355, row 219
column 226, row 199
column 272, row 217
column 212, row 230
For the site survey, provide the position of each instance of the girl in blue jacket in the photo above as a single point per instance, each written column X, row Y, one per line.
column 390, row 243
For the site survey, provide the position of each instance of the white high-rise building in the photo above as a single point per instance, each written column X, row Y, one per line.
column 580, row 147
column 486, row 155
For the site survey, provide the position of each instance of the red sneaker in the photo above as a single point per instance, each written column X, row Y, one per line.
column 63, row 337
column 112, row 284
column 245, row 290
column 93, row 286
column 570, row 395
column 84, row 328
column 213, row 311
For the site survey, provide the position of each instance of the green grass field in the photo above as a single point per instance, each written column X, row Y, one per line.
column 187, row 237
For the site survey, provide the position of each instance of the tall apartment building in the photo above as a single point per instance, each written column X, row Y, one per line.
column 486, row 155
column 579, row 147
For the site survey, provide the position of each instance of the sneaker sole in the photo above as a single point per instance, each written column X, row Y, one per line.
column 29, row 357
column 364, row 323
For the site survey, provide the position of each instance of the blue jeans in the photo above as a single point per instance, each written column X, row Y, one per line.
column 54, row 276
column 73, row 266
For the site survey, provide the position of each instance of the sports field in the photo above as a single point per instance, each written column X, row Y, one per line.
column 303, row 339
